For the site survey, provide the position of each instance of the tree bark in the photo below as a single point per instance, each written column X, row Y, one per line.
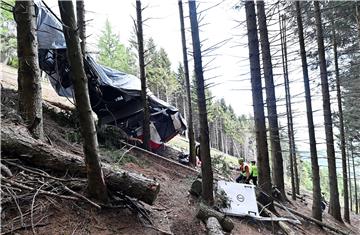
column 29, row 82
column 258, row 105
column 357, row 9
column 282, row 24
column 80, row 15
column 276, row 154
column 316, row 190
column 206, row 168
column 140, row 39
column 213, row 227
column 204, row 212
column 96, row 183
column 16, row 141
column 219, row 135
column 342, row 131
column 355, row 182
column 191, row 136
column 349, row 177
column 296, row 173
column 334, row 205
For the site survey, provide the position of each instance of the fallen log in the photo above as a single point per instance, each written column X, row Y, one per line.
column 318, row 222
column 196, row 188
column 213, row 227
column 204, row 213
column 17, row 142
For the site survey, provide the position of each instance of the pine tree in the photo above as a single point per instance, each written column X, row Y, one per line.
column 206, row 168
column 192, row 155
column 140, row 39
column 316, row 191
column 96, row 182
column 260, row 127
column 276, row 154
column 29, row 83
column 112, row 53
column 342, row 130
column 334, row 205
column 292, row 154
column 80, row 15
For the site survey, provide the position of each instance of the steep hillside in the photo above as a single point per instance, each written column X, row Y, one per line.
column 27, row 211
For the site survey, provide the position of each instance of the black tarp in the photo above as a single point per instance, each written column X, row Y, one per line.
column 114, row 95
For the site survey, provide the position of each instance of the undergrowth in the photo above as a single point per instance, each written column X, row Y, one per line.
column 120, row 156
column 221, row 165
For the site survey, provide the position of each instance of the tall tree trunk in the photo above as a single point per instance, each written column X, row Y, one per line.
column 225, row 143
column 276, row 154
column 80, row 15
column 191, row 136
column 260, row 128
column 231, row 147
column 349, row 176
column 342, row 131
column 334, row 205
column 355, row 182
column 282, row 24
column 316, row 190
column 216, row 133
column 140, row 39
column 206, row 169
column 357, row 9
column 96, row 183
column 219, row 128
column 223, row 148
column 29, row 82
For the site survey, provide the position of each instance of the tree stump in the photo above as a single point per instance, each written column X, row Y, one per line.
column 196, row 188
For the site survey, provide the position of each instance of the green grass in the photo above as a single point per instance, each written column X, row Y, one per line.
column 120, row 156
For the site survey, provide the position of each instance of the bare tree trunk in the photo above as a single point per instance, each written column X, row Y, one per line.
column 342, row 131
column 277, row 161
column 223, row 149
column 206, row 169
column 29, row 82
column 96, row 183
column 260, row 127
column 316, row 191
column 282, row 24
column 334, row 205
column 191, row 136
column 216, row 133
column 219, row 128
column 140, row 39
column 357, row 9
column 80, row 15
column 355, row 183
column 349, row 176
column 231, row 147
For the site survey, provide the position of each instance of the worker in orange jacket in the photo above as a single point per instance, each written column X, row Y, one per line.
column 244, row 169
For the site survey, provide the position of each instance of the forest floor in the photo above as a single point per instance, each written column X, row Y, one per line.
column 172, row 213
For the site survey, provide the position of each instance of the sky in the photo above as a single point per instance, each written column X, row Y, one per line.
column 229, row 69
column 163, row 25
